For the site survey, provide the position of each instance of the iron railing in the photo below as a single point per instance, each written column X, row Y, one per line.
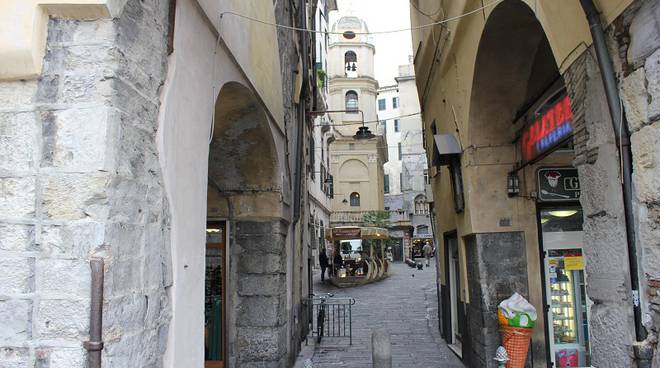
column 338, row 320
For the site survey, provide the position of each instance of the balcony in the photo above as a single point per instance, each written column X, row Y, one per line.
column 400, row 219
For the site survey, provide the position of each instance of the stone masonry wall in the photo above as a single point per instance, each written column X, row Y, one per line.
column 79, row 177
column 635, row 46
column 286, row 13
column 634, row 42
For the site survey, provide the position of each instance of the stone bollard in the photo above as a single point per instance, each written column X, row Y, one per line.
column 381, row 349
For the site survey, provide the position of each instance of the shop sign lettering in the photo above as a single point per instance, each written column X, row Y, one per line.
column 558, row 184
column 547, row 132
column 346, row 233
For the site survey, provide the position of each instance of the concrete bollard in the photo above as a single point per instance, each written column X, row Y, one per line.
column 381, row 349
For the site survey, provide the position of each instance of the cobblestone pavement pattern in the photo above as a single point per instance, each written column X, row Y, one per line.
column 406, row 307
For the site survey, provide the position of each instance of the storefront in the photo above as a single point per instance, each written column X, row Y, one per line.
column 545, row 143
column 566, row 304
column 214, row 300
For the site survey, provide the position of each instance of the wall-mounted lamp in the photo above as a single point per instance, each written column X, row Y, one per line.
column 512, row 185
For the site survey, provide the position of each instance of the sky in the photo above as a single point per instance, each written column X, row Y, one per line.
column 392, row 49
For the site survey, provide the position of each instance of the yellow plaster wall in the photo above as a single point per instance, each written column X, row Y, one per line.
column 254, row 45
column 366, row 179
column 447, row 98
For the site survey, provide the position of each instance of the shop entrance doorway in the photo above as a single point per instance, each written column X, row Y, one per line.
column 397, row 250
column 214, row 295
column 566, row 303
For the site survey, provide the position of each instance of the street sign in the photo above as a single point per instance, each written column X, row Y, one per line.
column 558, row 184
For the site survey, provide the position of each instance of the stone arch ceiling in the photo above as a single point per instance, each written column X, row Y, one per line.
column 242, row 153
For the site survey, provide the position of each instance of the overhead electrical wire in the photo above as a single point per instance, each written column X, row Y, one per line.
column 432, row 24
column 366, row 122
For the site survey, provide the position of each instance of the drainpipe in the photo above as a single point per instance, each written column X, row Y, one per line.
column 95, row 343
column 297, row 188
column 623, row 141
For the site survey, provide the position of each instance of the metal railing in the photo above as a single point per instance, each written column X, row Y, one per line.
column 338, row 320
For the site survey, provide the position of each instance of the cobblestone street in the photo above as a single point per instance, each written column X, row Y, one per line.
column 406, row 307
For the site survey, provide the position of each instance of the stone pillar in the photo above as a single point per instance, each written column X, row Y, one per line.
column 381, row 349
column 496, row 268
column 606, row 255
column 258, row 271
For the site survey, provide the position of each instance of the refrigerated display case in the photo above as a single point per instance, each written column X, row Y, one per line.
column 566, row 299
column 568, row 309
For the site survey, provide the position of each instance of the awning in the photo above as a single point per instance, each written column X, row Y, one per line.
column 445, row 146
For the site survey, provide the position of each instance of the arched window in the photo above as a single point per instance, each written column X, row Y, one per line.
column 352, row 101
column 350, row 57
column 421, row 207
column 355, row 199
column 350, row 64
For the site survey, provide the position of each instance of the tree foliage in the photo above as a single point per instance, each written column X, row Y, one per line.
column 377, row 219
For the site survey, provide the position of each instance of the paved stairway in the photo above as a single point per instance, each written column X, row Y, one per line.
column 404, row 305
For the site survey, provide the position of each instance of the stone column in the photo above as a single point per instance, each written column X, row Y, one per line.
column 497, row 267
column 258, row 269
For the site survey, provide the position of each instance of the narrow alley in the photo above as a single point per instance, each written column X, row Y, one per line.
column 405, row 304
column 176, row 174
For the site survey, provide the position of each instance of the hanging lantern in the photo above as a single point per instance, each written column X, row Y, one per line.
column 363, row 133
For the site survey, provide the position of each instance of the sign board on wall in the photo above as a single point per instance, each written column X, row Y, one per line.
column 346, row 233
column 558, row 184
column 547, row 132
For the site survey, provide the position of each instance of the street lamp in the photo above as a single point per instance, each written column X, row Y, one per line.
column 363, row 133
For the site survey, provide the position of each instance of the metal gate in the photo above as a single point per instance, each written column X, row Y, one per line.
column 338, row 316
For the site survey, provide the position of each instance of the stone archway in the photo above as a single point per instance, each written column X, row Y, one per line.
column 514, row 67
column 245, row 190
column 508, row 74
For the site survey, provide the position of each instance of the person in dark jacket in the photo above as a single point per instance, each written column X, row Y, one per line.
column 323, row 261
column 337, row 261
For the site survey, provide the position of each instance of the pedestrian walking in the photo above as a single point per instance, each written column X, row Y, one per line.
column 323, row 261
column 428, row 251
column 337, row 262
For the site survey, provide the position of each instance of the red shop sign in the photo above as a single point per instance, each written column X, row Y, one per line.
column 547, row 132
